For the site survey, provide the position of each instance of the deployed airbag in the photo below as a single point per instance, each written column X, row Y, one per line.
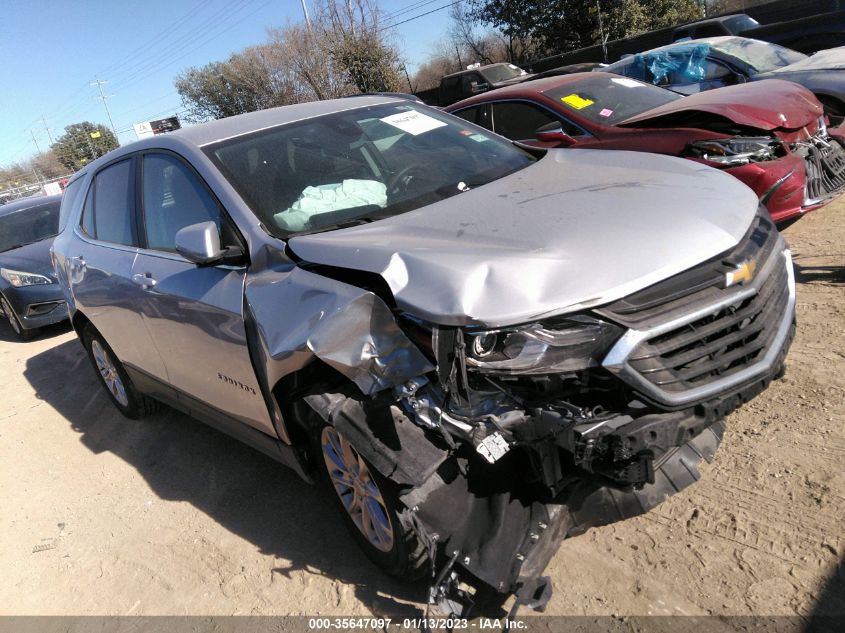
column 313, row 201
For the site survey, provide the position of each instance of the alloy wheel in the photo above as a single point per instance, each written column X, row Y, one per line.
column 357, row 489
column 109, row 374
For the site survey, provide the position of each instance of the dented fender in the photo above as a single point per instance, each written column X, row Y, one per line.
column 300, row 315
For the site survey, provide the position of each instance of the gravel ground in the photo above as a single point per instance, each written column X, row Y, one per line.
column 102, row 515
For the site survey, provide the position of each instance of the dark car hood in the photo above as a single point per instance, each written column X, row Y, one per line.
column 578, row 229
column 32, row 258
column 512, row 81
column 830, row 59
column 766, row 105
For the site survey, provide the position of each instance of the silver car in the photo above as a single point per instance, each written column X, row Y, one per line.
column 482, row 349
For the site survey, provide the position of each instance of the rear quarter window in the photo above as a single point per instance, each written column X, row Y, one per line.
column 70, row 200
column 109, row 208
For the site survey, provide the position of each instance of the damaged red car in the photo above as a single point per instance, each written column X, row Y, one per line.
column 770, row 134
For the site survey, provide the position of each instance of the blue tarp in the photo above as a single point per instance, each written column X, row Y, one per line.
column 685, row 64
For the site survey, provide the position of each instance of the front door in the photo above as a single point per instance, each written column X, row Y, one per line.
column 194, row 314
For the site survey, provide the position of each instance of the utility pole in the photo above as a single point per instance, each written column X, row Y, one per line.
column 36, row 142
column 47, row 129
column 99, row 85
column 305, row 13
column 408, row 77
column 601, row 33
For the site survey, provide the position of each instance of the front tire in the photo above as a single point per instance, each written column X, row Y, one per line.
column 114, row 379
column 370, row 507
column 22, row 333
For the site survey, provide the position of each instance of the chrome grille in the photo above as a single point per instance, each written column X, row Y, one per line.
column 684, row 347
column 825, row 164
column 717, row 345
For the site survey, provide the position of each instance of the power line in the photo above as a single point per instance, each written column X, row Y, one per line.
column 99, row 85
column 417, row 17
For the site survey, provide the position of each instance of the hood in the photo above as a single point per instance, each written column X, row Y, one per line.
column 512, row 81
column 829, row 59
column 576, row 229
column 767, row 105
column 32, row 258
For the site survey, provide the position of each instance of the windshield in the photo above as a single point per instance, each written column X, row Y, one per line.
column 502, row 72
column 761, row 56
column 29, row 225
column 607, row 100
column 360, row 165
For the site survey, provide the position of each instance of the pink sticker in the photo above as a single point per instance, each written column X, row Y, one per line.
column 606, row 112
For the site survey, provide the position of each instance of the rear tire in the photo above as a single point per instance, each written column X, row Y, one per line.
column 114, row 379
column 370, row 506
column 22, row 333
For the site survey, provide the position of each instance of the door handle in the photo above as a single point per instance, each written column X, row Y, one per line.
column 145, row 280
column 77, row 264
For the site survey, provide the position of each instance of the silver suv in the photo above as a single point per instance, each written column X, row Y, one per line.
column 482, row 349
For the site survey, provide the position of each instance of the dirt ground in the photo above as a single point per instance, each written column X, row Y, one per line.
column 101, row 515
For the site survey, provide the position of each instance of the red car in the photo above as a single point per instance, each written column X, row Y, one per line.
column 770, row 134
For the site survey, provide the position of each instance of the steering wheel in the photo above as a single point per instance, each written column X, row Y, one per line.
column 400, row 180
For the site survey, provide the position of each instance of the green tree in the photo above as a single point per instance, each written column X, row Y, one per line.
column 558, row 26
column 254, row 79
column 83, row 142
column 350, row 33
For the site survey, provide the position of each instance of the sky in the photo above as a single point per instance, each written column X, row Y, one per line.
column 51, row 51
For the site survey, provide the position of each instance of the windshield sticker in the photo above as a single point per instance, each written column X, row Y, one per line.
column 413, row 122
column 479, row 138
column 624, row 81
column 606, row 112
column 577, row 102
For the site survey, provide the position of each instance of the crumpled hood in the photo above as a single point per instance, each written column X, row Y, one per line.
column 32, row 258
column 829, row 59
column 767, row 105
column 577, row 229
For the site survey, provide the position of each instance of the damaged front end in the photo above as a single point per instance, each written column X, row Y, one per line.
column 521, row 436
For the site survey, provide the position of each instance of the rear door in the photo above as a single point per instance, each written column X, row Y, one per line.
column 194, row 313
column 100, row 263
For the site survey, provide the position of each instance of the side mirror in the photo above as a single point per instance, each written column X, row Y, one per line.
column 200, row 243
column 553, row 133
column 476, row 87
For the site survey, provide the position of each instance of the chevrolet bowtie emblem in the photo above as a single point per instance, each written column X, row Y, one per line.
column 744, row 272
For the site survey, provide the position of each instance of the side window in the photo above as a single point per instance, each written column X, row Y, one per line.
column 469, row 114
column 480, row 115
column 468, row 80
column 451, row 87
column 173, row 199
column 714, row 71
column 70, row 198
column 108, row 212
column 519, row 121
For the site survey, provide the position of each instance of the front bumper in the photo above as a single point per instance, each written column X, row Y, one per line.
column 37, row 306
column 499, row 535
column 807, row 178
column 647, row 356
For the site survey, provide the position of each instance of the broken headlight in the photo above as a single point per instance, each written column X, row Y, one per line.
column 736, row 151
column 570, row 344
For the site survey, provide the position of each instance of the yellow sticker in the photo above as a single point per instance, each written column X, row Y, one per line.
column 576, row 102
